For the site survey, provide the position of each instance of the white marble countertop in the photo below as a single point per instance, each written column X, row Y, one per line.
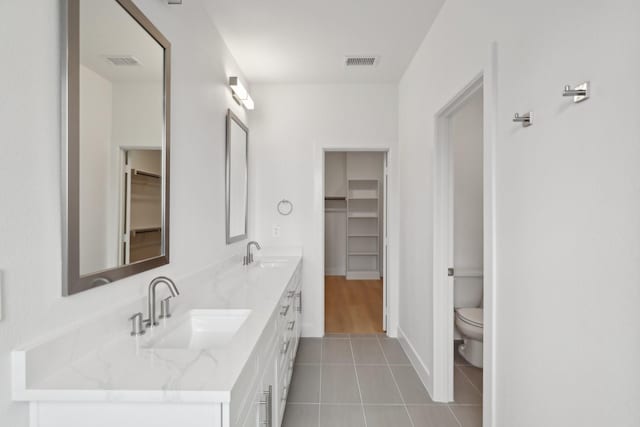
column 120, row 368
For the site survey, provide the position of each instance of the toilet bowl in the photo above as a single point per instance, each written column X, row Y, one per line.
column 469, row 322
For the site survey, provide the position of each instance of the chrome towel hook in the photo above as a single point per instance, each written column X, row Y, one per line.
column 526, row 119
column 580, row 93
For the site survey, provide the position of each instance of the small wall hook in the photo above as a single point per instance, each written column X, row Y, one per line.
column 580, row 93
column 526, row 119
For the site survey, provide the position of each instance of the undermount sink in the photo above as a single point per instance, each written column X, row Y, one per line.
column 272, row 262
column 202, row 329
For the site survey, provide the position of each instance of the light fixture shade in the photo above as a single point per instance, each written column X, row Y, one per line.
column 248, row 103
column 238, row 88
column 240, row 93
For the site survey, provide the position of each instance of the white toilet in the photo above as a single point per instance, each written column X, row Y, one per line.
column 469, row 322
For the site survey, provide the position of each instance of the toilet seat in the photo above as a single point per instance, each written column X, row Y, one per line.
column 471, row 316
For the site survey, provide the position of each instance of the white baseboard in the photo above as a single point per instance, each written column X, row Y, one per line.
column 416, row 361
column 333, row 271
column 309, row 330
column 363, row 275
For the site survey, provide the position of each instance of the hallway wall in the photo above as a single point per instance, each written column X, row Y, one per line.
column 289, row 126
column 567, row 198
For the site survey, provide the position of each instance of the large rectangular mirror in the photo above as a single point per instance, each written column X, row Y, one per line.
column 237, row 178
column 116, row 89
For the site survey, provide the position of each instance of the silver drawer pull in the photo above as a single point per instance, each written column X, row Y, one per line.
column 267, row 401
column 299, row 308
column 292, row 324
column 285, row 346
column 285, row 310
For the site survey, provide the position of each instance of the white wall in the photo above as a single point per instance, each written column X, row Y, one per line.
column 335, row 174
column 568, row 202
column 335, row 221
column 137, row 114
column 465, row 137
column 290, row 125
column 97, row 248
column 30, row 255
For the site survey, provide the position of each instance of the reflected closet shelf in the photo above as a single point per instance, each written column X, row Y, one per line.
column 145, row 174
column 143, row 230
column 363, row 215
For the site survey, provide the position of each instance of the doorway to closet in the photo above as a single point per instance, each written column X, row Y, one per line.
column 355, row 185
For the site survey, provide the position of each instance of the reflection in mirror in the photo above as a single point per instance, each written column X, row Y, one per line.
column 142, row 205
column 237, row 178
column 117, row 121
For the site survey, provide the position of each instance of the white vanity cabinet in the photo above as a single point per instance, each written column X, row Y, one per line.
column 245, row 384
column 271, row 391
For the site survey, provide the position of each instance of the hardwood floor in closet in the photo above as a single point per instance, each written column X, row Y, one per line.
column 352, row 306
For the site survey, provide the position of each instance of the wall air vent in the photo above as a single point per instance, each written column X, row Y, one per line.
column 122, row 60
column 361, row 61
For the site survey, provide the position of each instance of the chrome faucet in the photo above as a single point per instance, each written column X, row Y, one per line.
column 153, row 320
column 248, row 258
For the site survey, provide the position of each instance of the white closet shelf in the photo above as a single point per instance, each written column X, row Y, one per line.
column 335, row 209
column 363, row 215
column 363, row 235
column 363, row 253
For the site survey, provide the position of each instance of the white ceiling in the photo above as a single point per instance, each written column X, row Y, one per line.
column 302, row 41
column 106, row 29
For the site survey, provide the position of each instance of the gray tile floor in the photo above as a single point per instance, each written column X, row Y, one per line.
column 367, row 381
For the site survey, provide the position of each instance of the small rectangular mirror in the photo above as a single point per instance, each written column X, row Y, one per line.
column 237, row 178
column 116, row 88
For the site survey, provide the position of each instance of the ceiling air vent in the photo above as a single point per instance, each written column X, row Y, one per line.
column 122, row 60
column 361, row 61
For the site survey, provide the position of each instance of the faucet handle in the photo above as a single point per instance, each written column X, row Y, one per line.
column 137, row 326
column 165, row 308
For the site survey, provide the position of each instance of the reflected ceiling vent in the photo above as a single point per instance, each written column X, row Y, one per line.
column 122, row 60
column 361, row 61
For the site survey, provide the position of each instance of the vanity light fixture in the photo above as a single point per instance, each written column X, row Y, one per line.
column 175, row 1
column 240, row 93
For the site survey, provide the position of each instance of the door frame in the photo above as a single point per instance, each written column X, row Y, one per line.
column 389, row 258
column 443, row 325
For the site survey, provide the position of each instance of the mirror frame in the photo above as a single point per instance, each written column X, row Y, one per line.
column 232, row 239
column 72, row 281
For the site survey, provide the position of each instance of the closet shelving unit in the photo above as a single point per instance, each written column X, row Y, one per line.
column 145, row 210
column 363, row 229
column 335, row 204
